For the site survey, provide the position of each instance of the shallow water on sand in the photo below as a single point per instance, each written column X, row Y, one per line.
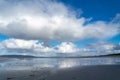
column 99, row 68
column 54, row 63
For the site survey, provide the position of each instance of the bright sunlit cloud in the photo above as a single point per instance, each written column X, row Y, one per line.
column 50, row 20
column 27, row 22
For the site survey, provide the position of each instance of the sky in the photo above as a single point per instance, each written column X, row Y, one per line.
column 59, row 26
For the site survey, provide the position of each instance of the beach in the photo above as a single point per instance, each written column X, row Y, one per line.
column 61, row 69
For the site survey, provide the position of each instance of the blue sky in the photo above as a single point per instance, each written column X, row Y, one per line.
column 81, row 22
column 97, row 9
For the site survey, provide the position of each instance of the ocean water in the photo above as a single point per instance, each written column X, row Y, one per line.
column 54, row 63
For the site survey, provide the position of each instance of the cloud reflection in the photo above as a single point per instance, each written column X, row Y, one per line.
column 55, row 63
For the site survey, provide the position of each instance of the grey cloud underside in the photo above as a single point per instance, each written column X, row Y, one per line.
column 50, row 20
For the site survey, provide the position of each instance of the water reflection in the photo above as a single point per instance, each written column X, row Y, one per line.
column 55, row 63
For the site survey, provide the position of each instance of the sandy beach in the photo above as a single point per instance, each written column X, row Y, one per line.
column 103, row 72
column 60, row 69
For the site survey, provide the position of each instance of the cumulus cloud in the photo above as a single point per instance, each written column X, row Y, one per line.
column 102, row 46
column 49, row 20
column 36, row 48
column 19, row 45
column 67, row 47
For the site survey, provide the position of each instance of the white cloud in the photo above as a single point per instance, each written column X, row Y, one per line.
column 32, row 46
column 18, row 44
column 102, row 46
column 116, row 19
column 49, row 20
column 67, row 47
column 28, row 21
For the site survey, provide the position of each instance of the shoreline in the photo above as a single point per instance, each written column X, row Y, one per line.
column 28, row 56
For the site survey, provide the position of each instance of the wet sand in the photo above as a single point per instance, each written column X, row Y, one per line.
column 96, row 72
